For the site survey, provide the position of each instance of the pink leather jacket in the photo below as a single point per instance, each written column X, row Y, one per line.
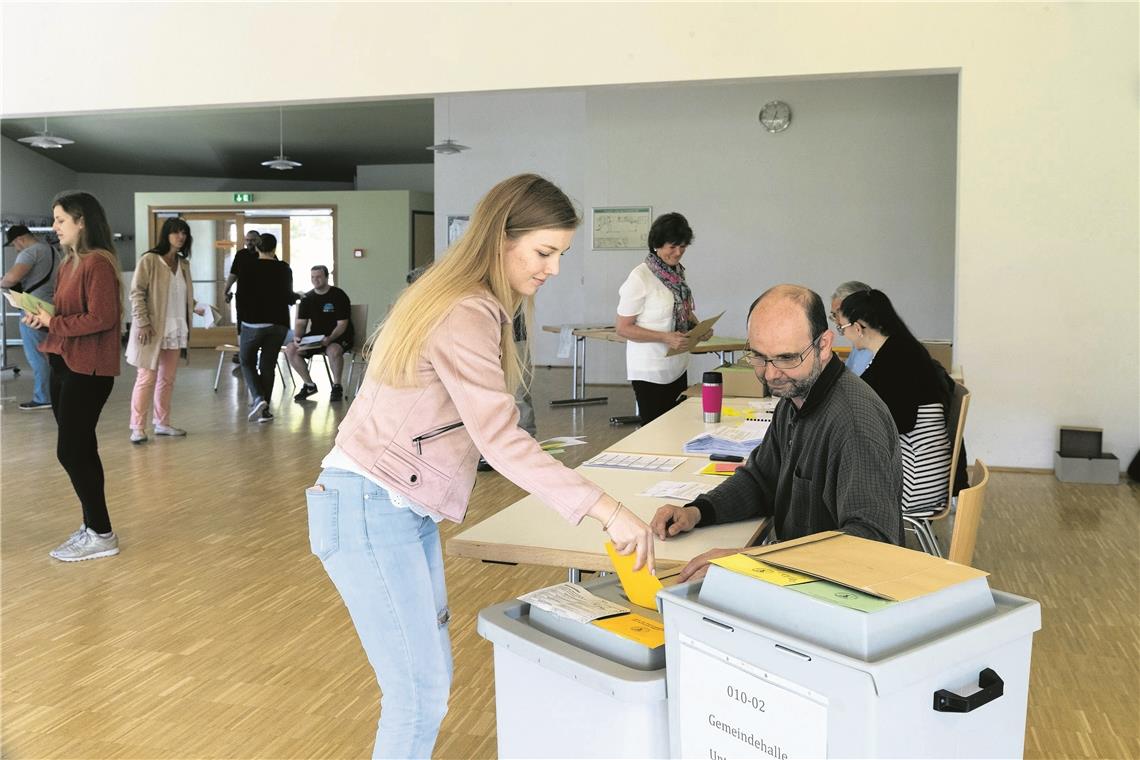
column 423, row 442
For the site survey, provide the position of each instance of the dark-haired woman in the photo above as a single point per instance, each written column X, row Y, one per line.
column 267, row 292
column 82, row 346
column 914, row 387
column 162, row 299
column 655, row 310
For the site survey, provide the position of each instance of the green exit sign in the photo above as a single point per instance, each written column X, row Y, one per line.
column 243, row 197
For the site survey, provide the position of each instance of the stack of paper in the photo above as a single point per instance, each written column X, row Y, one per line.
column 571, row 601
column 635, row 462
column 729, row 440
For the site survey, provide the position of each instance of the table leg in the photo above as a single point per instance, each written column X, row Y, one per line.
column 574, row 575
column 578, row 387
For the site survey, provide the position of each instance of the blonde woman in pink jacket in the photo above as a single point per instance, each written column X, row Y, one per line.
column 439, row 391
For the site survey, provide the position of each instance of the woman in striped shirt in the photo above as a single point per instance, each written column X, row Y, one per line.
column 914, row 387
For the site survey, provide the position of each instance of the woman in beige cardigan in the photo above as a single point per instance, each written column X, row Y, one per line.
column 162, row 299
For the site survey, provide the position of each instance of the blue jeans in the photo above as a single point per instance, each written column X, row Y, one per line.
column 258, row 371
column 387, row 564
column 32, row 338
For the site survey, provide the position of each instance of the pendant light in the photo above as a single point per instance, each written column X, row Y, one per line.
column 448, row 147
column 281, row 162
column 46, row 141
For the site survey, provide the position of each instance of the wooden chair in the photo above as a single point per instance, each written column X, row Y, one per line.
column 920, row 520
column 968, row 516
column 230, row 348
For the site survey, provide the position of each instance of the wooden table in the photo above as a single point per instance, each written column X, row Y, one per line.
column 715, row 345
column 529, row 532
column 666, row 435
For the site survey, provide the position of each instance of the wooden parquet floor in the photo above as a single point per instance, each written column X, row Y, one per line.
column 216, row 634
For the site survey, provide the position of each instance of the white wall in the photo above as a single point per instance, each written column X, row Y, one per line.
column 419, row 177
column 29, row 181
column 1048, row 270
column 861, row 186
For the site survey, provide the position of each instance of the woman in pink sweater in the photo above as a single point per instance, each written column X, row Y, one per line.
column 439, row 391
column 82, row 347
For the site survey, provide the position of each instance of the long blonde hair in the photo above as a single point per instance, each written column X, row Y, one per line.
column 95, row 237
column 474, row 263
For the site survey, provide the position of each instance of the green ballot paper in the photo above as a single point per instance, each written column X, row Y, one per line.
column 29, row 303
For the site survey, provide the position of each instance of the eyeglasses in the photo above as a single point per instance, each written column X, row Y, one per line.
column 783, row 361
column 840, row 328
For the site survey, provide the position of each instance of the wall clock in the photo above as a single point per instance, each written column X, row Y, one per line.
column 776, row 115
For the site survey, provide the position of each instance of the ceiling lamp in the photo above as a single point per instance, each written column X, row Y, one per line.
column 45, row 140
column 448, row 147
column 281, row 162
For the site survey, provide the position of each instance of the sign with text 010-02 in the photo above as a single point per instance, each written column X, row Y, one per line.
column 731, row 709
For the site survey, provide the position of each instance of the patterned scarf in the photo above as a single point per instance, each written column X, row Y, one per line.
column 684, row 318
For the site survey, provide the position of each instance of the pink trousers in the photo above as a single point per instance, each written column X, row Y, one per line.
column 157, row 382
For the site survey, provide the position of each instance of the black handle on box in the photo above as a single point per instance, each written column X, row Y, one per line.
column 991, row 687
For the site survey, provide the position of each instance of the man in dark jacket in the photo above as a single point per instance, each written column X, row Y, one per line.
column 830, row 460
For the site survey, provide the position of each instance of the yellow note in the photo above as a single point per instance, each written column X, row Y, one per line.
column 637, row 628
column 712, row 468
column 754, row 568
column 730, row 411
column 641, row 587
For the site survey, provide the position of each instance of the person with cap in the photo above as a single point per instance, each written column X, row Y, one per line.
column 34, row 271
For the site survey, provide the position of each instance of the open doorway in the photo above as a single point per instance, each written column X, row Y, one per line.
column 306, row 237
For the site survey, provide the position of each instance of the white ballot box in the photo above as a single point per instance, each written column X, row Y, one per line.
column 569, row 689
column 761, row 670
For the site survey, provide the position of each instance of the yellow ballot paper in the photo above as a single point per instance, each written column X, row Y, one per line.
column 754, row 568
column 636, row 628
column 641, row 587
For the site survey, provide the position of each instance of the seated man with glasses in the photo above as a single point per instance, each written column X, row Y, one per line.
column 830, row 460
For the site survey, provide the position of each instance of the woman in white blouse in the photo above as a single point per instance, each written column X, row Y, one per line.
column 655, row 310
column 162, row 299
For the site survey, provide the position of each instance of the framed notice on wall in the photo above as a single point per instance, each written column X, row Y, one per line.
column 620, row 228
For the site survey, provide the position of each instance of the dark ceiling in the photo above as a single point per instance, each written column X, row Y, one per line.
column 330, row 140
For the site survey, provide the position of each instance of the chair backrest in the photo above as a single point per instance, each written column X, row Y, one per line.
column 956, row 426
column 358, row 316
column 968, row 516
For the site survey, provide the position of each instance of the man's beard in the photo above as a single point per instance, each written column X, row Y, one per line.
column 799, row 388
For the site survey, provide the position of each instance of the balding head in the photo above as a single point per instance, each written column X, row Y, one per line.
column 807, row 301
column 788, row 322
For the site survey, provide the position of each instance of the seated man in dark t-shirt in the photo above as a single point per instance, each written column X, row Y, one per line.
column 323, row 326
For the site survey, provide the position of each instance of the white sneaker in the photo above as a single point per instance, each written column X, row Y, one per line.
column 255, row 412
column 88, row 545
column 74, row 536
column 138, row 435
column 168, row 430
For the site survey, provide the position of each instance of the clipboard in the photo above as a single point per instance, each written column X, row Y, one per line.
column 692, row 337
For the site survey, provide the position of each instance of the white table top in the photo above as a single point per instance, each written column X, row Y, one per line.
column 531, row 533
column 667, row 434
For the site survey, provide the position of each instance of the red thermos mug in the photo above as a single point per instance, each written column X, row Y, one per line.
column 712, row 393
